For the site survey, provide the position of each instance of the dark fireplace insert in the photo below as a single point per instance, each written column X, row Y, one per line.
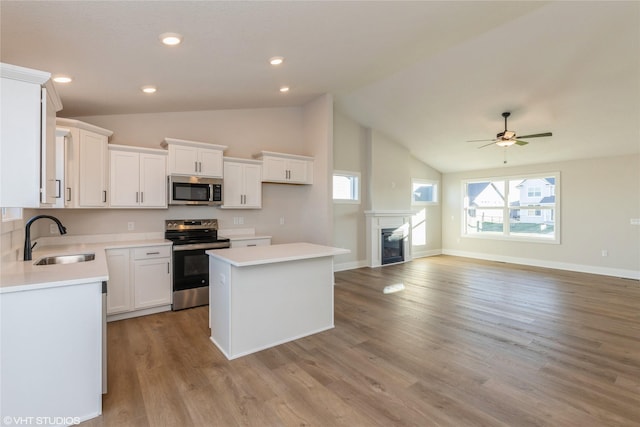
column 392, row 245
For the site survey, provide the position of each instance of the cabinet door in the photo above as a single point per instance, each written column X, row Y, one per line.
column 297, row 170
column 274, row 169
column 253, row 186
column 20, row 144
column 93, row 161
column 183, row 160
column 61, row 144
column 210, row 163
column 48, row 151
column 152, row 283
column 233, row 185
column 119, row 285
column 124, row 179
column 153, row 180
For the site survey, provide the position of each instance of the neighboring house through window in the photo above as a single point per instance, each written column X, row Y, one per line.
column 523, row 207
column 424, row 192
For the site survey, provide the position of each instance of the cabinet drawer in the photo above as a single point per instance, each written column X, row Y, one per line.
column 251, row 242
column 150, row 252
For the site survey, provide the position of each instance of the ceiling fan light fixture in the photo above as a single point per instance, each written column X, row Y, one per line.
column 505, row 142
column 508, row 134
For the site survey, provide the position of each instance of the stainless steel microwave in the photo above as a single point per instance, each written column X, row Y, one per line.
column 194, row 190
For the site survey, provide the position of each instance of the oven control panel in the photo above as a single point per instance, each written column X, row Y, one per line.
column 191, row 224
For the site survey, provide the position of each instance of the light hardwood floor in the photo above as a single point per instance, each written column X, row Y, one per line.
column 466, row 343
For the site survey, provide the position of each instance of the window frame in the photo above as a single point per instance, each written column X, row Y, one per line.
column 436, row 189
column 506, row 233
column 355, row 188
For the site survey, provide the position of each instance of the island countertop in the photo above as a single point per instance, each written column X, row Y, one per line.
column 257, row 255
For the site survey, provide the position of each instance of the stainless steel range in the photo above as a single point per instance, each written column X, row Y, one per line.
column 191, row 238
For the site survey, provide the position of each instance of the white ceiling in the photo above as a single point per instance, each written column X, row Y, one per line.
column 430, row 75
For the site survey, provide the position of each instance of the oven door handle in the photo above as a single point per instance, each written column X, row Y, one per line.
column 195, row 246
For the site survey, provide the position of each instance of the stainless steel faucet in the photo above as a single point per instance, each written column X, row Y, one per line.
column 27, row 233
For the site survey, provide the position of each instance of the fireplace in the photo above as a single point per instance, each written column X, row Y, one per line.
column 392, row 245
column 396, row 248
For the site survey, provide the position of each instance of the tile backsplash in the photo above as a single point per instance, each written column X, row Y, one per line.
column 11, row 240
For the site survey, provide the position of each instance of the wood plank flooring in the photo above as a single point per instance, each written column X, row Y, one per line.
column 466, row 343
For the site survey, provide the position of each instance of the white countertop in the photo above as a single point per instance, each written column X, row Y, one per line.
column 24, row 275
column 248, row 233
column 256, row 255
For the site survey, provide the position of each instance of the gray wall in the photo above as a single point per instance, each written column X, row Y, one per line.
column 386, row 169
column 598, row 197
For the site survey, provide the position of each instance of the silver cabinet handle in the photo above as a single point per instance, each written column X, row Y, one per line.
column 68, row 194
column 200, row 163
column 136, row 197
column 59, row 193
column 153, row 253
column 167, row 268
column 195, row 165
column 142, row 197
column 104, row 196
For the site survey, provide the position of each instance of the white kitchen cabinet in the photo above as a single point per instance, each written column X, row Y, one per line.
column 194, row 158
column 86, row 164
column 286, row 168
column 139, row 281
column 27, row 138
column 119, row 284
column 62, row 138
column 242, row 183
column 138, row 177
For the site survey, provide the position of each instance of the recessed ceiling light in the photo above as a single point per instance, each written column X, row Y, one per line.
column 171, row 39
column 276, row 60
column 284, row 89
column 62, row 79
column 148, row 89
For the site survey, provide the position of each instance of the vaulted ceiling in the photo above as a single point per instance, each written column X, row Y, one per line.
column 430, row 75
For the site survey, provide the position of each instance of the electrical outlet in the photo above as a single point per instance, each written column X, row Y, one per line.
column 635, row 221
column 131, row 226
column 605, row 252
column 281, row 220
column 53, row 229
column 240, row 220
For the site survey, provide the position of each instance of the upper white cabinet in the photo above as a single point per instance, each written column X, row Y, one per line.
column 242, row 183
column 137, row 177
column 286, row 168
column 27, row 138
column 86, row 163
column 194, row 158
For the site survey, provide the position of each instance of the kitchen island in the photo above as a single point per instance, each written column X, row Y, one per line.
column 262, row 296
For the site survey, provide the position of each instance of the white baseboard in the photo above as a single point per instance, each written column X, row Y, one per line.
column 349, row 265
column 423, row 254
column 605, row 271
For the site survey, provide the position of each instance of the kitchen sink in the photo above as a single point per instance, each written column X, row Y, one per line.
column 65, row 259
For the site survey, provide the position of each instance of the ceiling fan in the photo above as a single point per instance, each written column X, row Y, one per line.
column 507, row 138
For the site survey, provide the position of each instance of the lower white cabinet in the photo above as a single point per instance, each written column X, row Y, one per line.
column 139, row 281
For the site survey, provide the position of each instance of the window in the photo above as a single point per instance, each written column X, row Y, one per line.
column 522, row 208
column 424, row 192
column 346, row 187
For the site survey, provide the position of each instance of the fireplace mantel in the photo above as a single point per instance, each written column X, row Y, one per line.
column 378, row 220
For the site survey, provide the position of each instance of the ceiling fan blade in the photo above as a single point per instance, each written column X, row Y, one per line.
column 486, row 145
column 535, row 135
column 518, row 142
column 480, row 140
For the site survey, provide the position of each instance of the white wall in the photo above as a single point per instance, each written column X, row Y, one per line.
column 598, row 197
